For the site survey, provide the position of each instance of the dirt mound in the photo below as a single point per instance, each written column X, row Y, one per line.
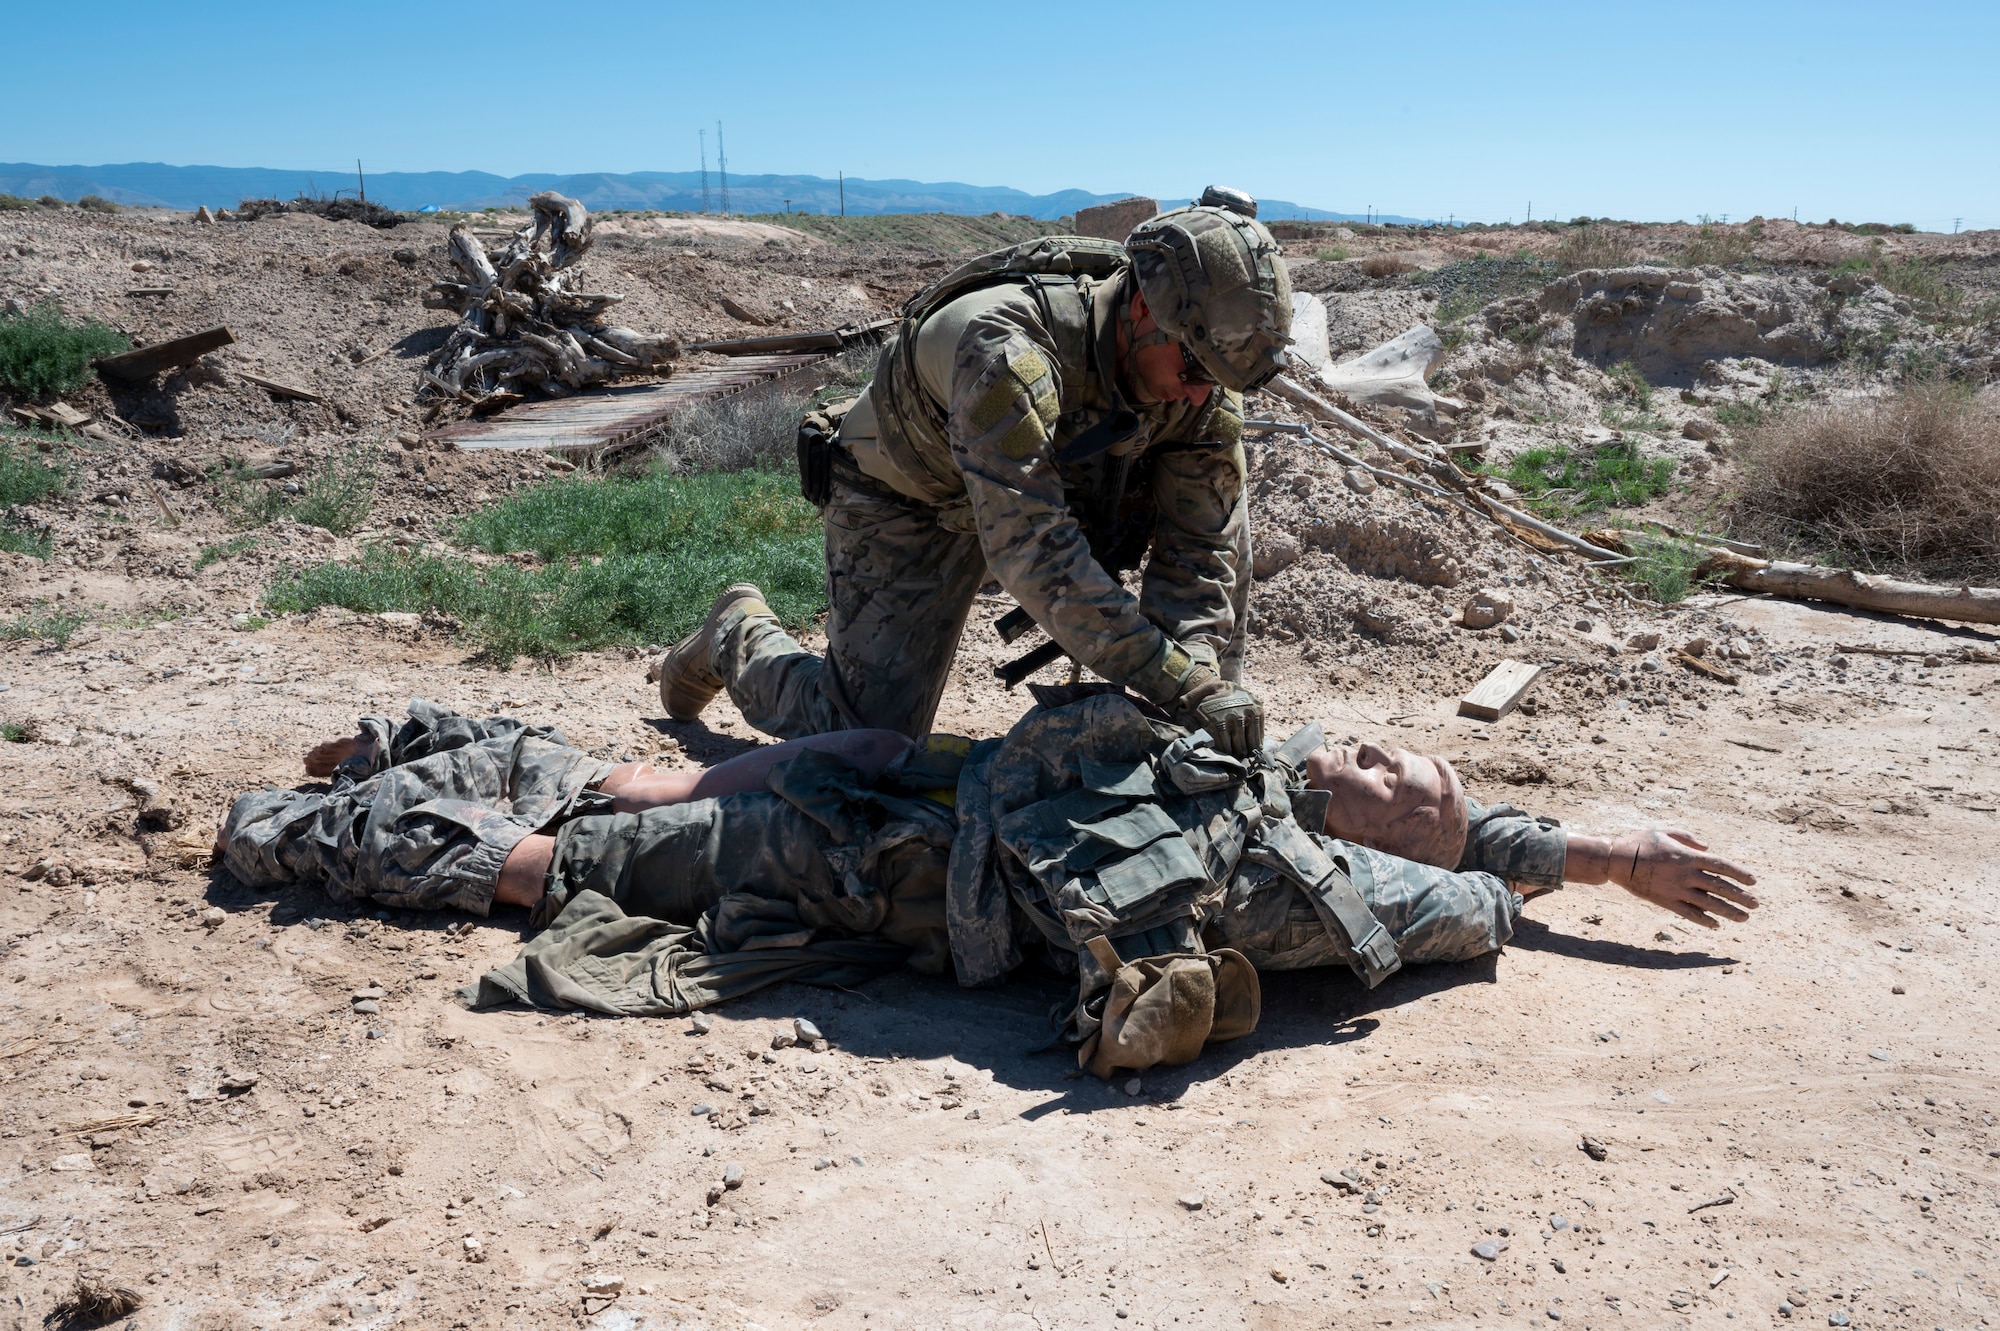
column 333, row 210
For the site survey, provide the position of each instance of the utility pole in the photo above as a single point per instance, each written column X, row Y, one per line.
column 1954, row 224
column 722, row 167
column 704, row 170
column 843, row 192
column 364, row 182
column 1531, row 210
column 788, row 207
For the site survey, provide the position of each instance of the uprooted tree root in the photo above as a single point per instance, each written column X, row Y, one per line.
column 94, row 1302
column 1911, row 479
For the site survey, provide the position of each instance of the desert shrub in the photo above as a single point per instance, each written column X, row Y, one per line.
column 51, row 201
column 1716, row 245
column 1388, row 265
column 1593, row 247
column 1467, row 285
column 1665, row 567
column 97, row 203
column 1912, row 478
column 14, row 203
column 220, row 550
column 1331, row 253
column 42, row 353
column 757, row 430
column 335, row 496
column 630, row 561
column 24, row 479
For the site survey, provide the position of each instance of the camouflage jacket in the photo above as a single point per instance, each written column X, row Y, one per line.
column 1020, row 428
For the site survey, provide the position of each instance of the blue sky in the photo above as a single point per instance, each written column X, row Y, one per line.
column 1646, row 111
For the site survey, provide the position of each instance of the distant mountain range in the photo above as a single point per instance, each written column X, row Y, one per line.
column 155, row 184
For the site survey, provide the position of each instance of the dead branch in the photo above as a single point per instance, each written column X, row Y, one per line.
column 521, row 329
column 1842, row 586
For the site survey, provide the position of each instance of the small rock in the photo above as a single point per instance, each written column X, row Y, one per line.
column 1583, row 626
column 1488, row 1250
column 1840, row 663
column 602, row 1285
column 1134, row 1086
column 474, row 1250
column 804, row 1031
column 1485, row 608
column 142, row 265
column 1897, row 989
column 732, row 1177
column 700, row 1024
column 1275, row 553
column 1644, row 641
column 823, row 1163
column 1509, row 634
column 1881, row 1056
column 714, row 1193
column 972, row 1114
column 1836, row 1318
column 702, row 1111
column 1279, row 1276
column 1359, row 481
column 1192, row 1201
column 1933, row 662
column 1558, row 1222
column 1593, row 1148
column 1652, row 664
column 784, row 1040
column 1784, row 1308
column 372, row 991
column 235, row 1083
column 367, row 1007
column 213, row 917
column 1700, row 428
column 1696, row 647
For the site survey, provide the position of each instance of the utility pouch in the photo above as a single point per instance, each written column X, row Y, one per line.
column 815, row 446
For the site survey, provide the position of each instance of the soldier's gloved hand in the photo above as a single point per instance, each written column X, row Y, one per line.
column 1230, row 713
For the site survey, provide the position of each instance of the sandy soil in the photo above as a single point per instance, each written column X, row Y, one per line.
column 930, row 1169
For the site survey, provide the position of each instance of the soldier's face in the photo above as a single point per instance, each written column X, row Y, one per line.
column 1407, row 804
column 1163, row 368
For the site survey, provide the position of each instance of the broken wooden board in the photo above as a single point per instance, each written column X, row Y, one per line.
column 1501, row 691
column 282, row 390
column 138, row 366
column 594, row 421
column 1701, row 667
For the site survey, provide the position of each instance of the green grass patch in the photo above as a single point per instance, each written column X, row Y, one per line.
column 10, row 733
column 42, row 353
column 24, row 479
column 52, row 626
column 630, row 561
column 1466, row 285
column 14, row 203
column 1567, row 481
column 221, row 550
column 1331, row 254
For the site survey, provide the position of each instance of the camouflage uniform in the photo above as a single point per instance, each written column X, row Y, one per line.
column 1091, row 820
column 997, row 441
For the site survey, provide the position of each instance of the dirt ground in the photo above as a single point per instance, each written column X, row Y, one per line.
column 1797, row 1116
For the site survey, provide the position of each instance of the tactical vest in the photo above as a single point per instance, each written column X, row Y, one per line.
column 1117, row 836
column 1063, row 273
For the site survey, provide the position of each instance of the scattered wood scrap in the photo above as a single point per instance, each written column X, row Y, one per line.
column 1749, row 744
column 150, row 291
column 1701, row 667
column 521, row 328
column 1501, row 691
column 142, row 364
column 1728, row 1198
column 282, row 390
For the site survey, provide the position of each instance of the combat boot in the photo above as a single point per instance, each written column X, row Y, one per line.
column 686, row 671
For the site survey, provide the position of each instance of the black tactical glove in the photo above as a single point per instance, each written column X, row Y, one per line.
column 1230, row 713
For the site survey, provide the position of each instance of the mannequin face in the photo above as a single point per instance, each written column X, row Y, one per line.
column 1392, row 800
column 1161, row 368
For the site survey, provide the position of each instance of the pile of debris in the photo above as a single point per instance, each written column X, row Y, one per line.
column 521, row 328
column 337, row 209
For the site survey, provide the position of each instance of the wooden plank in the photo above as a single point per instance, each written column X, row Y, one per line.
column 1501, row 691
column 142, row 364
column 282, row 390
column 1701, row 667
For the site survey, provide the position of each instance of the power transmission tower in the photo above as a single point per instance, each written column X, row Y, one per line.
column 843, row 192
column 722, row 166
column 704, row 170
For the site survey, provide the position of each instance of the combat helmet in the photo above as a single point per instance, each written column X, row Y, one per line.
column 1212, row 277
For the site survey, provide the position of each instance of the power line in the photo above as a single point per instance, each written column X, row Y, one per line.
column 722, row 167
column 704, row 170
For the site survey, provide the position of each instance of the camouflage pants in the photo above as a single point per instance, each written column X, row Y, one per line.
column 899, row 589
column 448, row 799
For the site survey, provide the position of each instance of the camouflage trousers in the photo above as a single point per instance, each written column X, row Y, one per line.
column 899, row 589
column 425, row 824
